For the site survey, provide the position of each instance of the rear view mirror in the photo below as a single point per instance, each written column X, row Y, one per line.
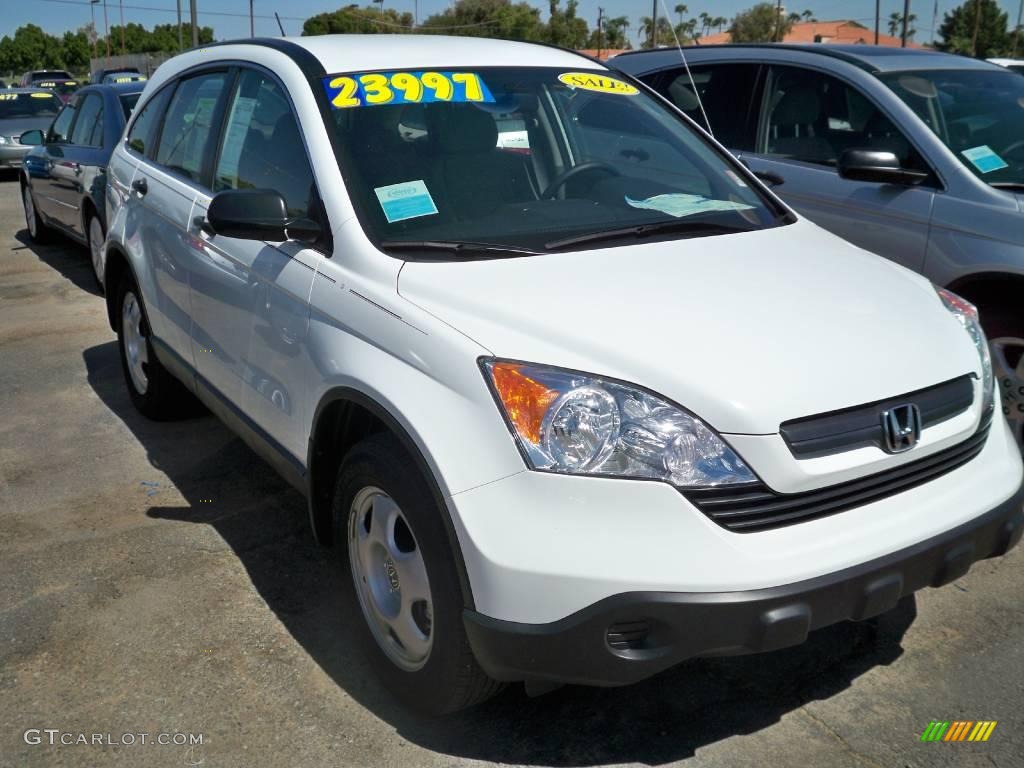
column 877, row 166
column 31, row 138
column 256, row 214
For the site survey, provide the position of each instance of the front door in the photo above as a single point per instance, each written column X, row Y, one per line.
column 808, row 118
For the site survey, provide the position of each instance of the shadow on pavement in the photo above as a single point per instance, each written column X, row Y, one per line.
column 65, row 256
column 660, row 720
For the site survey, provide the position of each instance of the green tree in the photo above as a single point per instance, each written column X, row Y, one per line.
column 808, row 15
column 355, row 20
column 664, row 30
column 75, row 50
column 613, row 34
column 896, row 25
column 488, row 18
column 760, row 24
column 681, row 10
column 959, row 26
column 565, row 28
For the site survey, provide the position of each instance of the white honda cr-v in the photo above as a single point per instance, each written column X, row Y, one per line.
column 571, row 407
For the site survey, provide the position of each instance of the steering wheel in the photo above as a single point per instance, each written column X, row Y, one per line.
column 577, row 170
column 1013, row 147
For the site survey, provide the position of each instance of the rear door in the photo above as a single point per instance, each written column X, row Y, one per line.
column 807, row 118
column 70, row 171
column 44, row 183
column 250, row 298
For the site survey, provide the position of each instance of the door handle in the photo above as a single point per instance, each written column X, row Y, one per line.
column 140, row 186
column 203, row 225
column 77, row 169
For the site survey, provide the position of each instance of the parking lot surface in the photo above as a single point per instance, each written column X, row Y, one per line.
column 160, row 579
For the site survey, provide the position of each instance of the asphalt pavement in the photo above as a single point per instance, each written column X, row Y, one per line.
column 159, row 579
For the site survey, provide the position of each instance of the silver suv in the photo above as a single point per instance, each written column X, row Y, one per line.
column 915, row 155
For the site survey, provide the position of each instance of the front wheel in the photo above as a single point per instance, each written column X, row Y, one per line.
column 389, row 529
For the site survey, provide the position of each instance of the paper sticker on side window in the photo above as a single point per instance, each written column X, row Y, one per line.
column 378, row 88
column 984, row 159
column 408, row 200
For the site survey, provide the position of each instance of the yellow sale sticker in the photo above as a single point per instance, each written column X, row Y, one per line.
column 42, row 96
column 595, row 81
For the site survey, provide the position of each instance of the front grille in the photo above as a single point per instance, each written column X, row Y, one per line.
column 861, row 426
column 756, row 507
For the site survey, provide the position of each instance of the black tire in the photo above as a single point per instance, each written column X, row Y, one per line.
column 164, row 397
column 1004, row 326
column 450, row 678
column 92, row 219
column 38, row 232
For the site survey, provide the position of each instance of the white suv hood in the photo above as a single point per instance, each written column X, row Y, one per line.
column 745, row 330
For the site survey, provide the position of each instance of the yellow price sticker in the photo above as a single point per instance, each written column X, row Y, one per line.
column 600, row 83
column 377, row 88
column 42, row 95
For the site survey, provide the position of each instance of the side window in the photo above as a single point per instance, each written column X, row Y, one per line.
column 262, row 147
column 61, row 129
column 188, row 135
column 727, row 92
column 88, row 129
column 814, row 118
column 140, row 137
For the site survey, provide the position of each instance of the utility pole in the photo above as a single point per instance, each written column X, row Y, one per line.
column 1016, row 32
column 181, row 46
column 600, row 20
column 106, row 30
column 906, row 15
column 195, row 23
column 778, row 21
column 878, row 12
column 92, row 13
column 654, row 24
column 252, row 23
column 977, row 24
column 121, row 4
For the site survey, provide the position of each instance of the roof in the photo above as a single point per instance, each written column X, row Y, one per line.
column 839, row 32
column 871, row 57
column 29, row 89
column 137, row 86
column 348, row 53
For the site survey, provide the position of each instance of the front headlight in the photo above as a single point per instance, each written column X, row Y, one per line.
column 5, row 140
column 578, row 424
column 967, row 314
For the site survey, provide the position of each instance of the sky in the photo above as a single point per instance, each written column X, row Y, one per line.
column 230, row 18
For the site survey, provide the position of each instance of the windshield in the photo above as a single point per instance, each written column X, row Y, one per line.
column 36, row 104
column 526, row 158
column 978, row 114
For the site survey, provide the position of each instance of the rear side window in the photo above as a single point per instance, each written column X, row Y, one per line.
column 60, row 131
column 262, row 146
column 727, row 92
column 140, row 137
column 89, row 126
column 188, row 136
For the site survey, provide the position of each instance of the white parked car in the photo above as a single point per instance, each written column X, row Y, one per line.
column 565, row 419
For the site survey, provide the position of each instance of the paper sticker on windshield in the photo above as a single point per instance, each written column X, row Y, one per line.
column 378, row 88
column 679, row 204
column 408, row 200
column 984, row 159
column 594, row 81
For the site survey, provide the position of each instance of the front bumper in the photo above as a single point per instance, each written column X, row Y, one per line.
column 630, row 636
column 12, row 155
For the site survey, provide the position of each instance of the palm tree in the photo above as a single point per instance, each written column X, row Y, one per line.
column 808, row 15
column 720, row 22
column 680, row 10
column 705, row 22
column 896, row 24
column 794, row 17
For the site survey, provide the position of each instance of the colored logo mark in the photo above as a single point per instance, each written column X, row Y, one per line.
column 958, row 730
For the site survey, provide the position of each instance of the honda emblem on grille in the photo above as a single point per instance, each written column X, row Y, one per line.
column 902, row 427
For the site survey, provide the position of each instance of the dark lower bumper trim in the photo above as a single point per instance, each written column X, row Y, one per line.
column 653, row 631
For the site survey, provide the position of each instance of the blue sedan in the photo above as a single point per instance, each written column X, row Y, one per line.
column 64, row 175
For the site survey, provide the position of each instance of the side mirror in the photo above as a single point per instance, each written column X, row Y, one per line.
column 256, row 214
column 32, row 138
column 877, row 166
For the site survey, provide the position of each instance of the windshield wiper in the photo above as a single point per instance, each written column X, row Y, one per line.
column 1015, row 185
column 456, row 246
column 645, row 230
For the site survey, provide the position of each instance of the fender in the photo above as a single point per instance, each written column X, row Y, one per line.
column 319, row 487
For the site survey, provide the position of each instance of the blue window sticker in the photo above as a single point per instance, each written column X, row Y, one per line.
column 381, row 88
column 408, row 200
column 984, row 159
